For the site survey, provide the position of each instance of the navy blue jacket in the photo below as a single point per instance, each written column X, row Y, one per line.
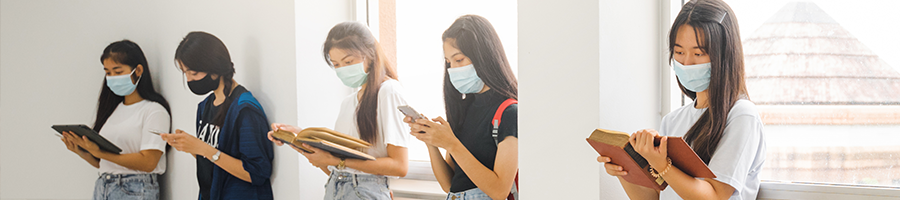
column 243, row 136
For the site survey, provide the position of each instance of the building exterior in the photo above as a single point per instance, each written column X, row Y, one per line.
column 831, row 106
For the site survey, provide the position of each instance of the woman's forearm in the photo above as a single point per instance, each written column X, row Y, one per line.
column 232, row 165
column 637, row 192
column 688, row 187
column 145, row 160
column 440, row 167
column 325, row 169
column 94, row 161
column 388, row 166
column 495, row 183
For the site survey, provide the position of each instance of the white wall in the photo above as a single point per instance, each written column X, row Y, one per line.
column 50, row 74
column 582, row 65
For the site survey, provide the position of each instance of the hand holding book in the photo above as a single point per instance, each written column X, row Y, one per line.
column 632, row 157
column 652, row 147
column 81, row 142
column 71, row 140
column 318, row 157
column 293, row 130
column 323, row 139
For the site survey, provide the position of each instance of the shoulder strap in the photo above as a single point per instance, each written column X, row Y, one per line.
column 495, row 132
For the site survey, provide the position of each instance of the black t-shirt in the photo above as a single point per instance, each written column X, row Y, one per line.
column 475, row 133
column 209, row 133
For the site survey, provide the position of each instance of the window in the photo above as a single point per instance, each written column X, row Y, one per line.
column 826, row 81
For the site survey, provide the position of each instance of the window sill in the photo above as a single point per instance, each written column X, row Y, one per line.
column 408, row 189
column 822, row 191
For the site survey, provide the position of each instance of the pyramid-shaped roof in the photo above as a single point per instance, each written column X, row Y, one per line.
column 802, row 56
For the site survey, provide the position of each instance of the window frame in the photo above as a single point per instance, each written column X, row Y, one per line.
column 367, row 11
column 672, row 98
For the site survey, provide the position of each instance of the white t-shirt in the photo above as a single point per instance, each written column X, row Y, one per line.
column 391, row 128
column 741, row 151
column 129, row 128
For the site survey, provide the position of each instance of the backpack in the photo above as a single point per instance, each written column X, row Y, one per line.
column 495, row 132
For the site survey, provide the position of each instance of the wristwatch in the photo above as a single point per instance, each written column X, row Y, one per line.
column 215, row 157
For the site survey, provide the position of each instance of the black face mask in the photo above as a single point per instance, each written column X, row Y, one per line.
column 203, row 86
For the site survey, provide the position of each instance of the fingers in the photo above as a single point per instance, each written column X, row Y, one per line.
column 289, row 128
column 407, row 119
column 277, row 142
column 615, row 170
column 275, row 126
column 633, row 139
column 421, row 137
column 603, row 159
column 643, row 139
column 639, row 141
column 651, row 132
column 422, row 121
column 441, row 120
column 663, row 145
column 415, row 127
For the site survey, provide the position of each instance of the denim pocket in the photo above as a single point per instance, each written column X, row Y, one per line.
column 132, row 188
column 372, row 190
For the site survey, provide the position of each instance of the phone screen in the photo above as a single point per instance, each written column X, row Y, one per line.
column 409, row 111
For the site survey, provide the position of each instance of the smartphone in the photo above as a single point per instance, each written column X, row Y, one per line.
column 409, row 111
column 156, row 132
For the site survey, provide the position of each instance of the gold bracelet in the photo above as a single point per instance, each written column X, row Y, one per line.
column 658, row 174
column 341, row 165
column 667, row 167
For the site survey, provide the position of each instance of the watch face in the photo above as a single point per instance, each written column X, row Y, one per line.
column 215, row 157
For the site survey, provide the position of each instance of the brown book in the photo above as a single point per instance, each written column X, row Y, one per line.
column 339, row 144
column 614, row 144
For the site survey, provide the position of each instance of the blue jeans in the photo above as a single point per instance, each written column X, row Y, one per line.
column 126, row 186
column 349, row 186
column 470, row 194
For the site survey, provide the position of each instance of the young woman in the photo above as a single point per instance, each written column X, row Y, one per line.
column 370, row 114
column 721, row 124
column 129, row 109
column 234, row 159
column 477, row 81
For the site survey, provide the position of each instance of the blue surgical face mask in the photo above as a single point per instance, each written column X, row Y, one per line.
column 465, row 80
column 693, row 77
column 121, row 85
column 352, row 75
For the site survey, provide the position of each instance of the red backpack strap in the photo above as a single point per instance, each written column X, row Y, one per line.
column 495, row 132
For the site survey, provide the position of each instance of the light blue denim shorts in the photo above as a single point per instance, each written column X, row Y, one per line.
column 350, row 186
column 470, row 194
column 126, row 187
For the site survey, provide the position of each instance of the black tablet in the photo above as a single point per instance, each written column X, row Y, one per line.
column 83, row 130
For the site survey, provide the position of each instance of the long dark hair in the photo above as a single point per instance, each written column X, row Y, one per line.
column 476, row 38
column 204, row 52
column 717, row 34
column 356, row 39
column 128, row 53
